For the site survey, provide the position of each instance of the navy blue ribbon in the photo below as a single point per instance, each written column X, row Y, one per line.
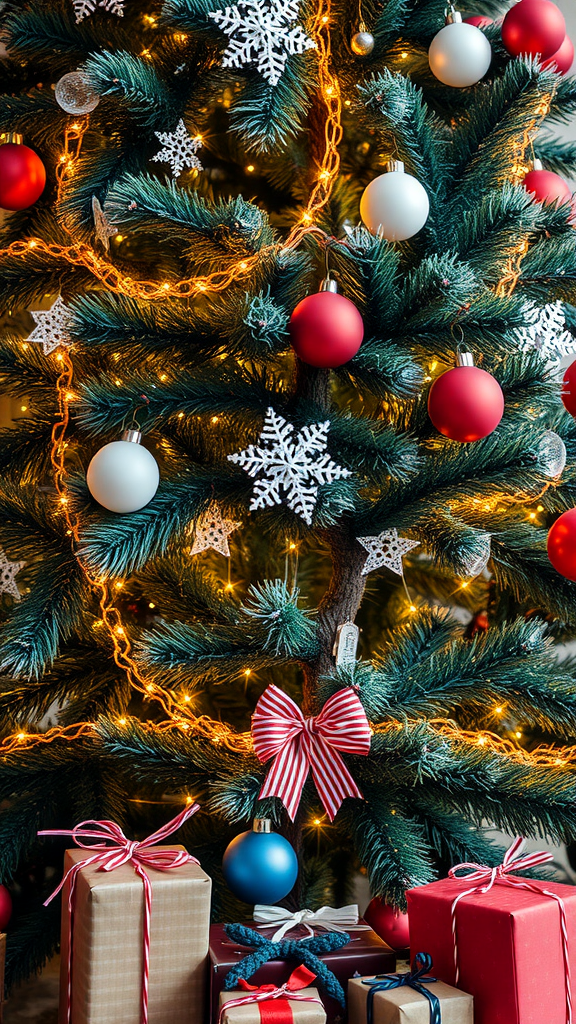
column 413, row 979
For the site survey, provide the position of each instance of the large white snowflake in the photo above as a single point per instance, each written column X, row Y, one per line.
column 8, row 572
column 288, row 467
column 84, row 8
column 53, row 326
column 262, row 32
column 386, row 549
column 179, row 149
column 212, row 531
column 545, row 331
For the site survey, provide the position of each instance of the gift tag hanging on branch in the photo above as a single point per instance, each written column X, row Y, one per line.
column 346, row 645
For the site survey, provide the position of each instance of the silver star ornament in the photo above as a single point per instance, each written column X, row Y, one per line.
column 212, row 531
column 52, row 326
column 8, row 572
column 386, row 549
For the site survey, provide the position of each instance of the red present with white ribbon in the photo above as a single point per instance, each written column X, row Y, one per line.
column 301, row 745
column 508, row 940
column 294, row 1002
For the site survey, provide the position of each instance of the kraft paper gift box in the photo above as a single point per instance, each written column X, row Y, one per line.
column 405, row 1006
column 107, row 944
column 298, row 1011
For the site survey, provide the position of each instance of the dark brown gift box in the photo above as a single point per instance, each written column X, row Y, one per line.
column 365, row 954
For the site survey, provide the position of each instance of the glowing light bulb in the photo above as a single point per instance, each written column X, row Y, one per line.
column 151, row 604
column 317, row 821
column 250, row 168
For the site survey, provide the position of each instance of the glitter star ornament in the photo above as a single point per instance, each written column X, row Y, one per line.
column 104, row 230
column 212, row 531
column 179, row 149
column 386, row 549
column 8, row 572
column 84, row 8
column 262, row 32
column 53, row 326
column 545, row 332
column 289, row 468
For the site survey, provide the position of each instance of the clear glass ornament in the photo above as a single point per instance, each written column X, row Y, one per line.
column 474, row 563
column 75, row 95
column 551, row 455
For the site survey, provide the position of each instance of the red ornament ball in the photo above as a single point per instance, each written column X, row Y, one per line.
column 479, row 20
column 533, row 27
column 547, row 187
column 562, row 60
column 466, row 403
column 390, row 924
column 5, row 907
column 22, row 176
column 569, row 389
column 326, row 330
column 562, row 544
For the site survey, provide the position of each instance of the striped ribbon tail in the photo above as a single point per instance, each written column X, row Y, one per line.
column 299, row 745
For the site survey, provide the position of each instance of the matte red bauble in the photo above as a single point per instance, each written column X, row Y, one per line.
column 562, row 60
column 390, row 924
column 22, row 176
column 569, row 389
column 562, row 544
column 5, row 907
column 326, row 329
column 546, row 186
column 466, row 403
column 533, row 27
column 479, row 20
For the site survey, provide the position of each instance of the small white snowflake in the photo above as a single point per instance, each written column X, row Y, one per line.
column 212, row 531
column 262, row 32
column 546, row 332
column 289, row 467
column 84, row 8
column 53, row 326
column 104, row 230
column 8, row 572
column 386, row 549
column 179, row 149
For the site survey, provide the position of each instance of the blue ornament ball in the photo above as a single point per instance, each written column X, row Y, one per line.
column 260, row 866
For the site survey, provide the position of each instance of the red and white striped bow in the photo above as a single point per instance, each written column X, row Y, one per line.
column 485, row 877
column 108, row 858
column 298, row 744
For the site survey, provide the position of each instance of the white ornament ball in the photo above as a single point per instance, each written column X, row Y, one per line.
column 362, row 43
column 459, row 55
column 395, row 205
column 75, row 95
column 123, row 476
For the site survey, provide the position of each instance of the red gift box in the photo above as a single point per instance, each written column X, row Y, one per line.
column 511, row 952
column 366, row 953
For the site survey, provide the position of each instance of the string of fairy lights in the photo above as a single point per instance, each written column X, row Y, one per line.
column 179, row 714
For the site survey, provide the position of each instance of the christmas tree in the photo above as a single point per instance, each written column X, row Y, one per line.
column 204, row 171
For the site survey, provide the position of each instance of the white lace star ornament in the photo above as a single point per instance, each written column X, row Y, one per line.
column 386, row 549
column 53, row 326
column 179, row 149
column 84, row 8
column 262, row 32
column 545, row 331
column 289, row 468
column 103, row 229
column 212, row 531
column 8, row 572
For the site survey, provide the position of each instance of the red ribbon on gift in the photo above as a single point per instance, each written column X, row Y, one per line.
column 108, row 858
column 274, row 1005
column 298, row 744
column 486, row 877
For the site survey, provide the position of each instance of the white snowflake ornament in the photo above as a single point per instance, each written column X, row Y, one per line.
column 103, row 229
column 386, row 549
column 289, row 468
column 8, row 572
column 262, row 32
column 53, row 326
column 212, row 531
column 84, row 8
column 179, row 149
column 545, row 331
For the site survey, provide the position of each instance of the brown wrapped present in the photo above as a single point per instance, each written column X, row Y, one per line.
column 419, row 1000
column 268, row 1005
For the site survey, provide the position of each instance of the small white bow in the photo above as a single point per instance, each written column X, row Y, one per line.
column 331, row 919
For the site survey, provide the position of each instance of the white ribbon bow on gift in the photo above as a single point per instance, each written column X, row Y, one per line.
column 331, row 919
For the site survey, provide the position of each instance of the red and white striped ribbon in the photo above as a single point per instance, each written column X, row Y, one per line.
column 486, row 877
column 299, row 744
column 300, row 978
column 107, row 858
